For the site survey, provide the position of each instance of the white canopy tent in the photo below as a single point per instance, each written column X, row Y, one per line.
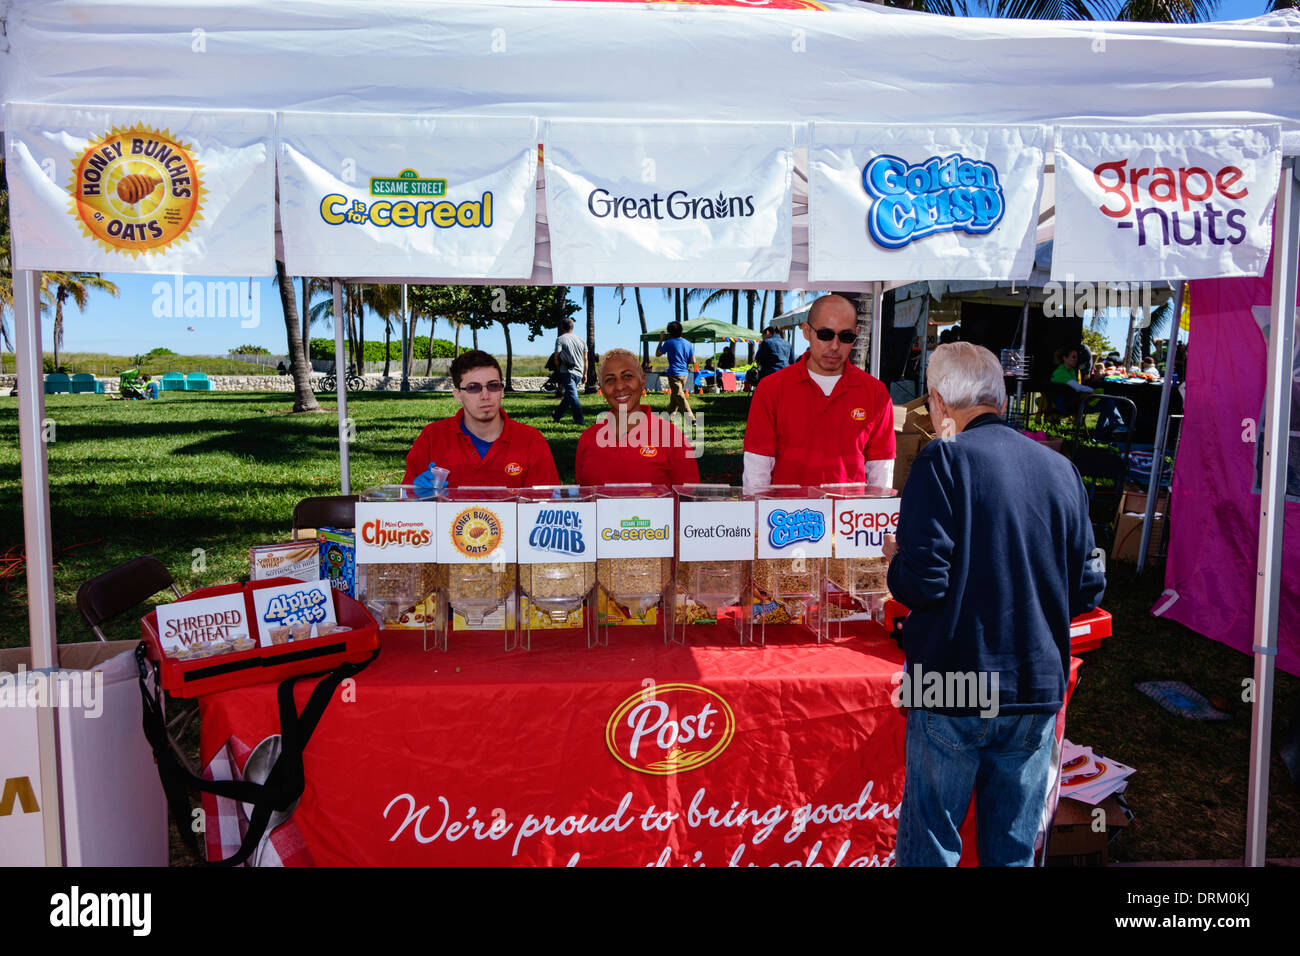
column 563, row 59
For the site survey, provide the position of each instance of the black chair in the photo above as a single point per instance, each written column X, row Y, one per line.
column 334, row 511
column 1101, row 453
column 116, row 591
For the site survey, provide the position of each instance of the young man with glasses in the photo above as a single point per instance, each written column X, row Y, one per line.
column 821, row 419
column 480, row 444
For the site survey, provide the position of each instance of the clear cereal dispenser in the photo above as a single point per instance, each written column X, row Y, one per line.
column 856, row 587
column 557, row 561
column 397, row 554
column 634, row 551
column 715, row 561
column 477, row 564
column 794, row 541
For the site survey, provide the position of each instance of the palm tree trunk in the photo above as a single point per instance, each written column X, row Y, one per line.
column 589, row 297
column 388, row 346
column 428, row 367
column 778, row 303
column 640, row 311
column 750, row 298
column 58, row 327
column 510, row 355
column 677, row 304
column 306, row 318
column 361, row 335
column 304, row 399
column 456, row 349
column 474, row 335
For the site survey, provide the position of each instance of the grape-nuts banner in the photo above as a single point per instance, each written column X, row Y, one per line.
column 669, row 203
column 912, row 202
column 1138, row 203
column 127, row 190
column 451, row 197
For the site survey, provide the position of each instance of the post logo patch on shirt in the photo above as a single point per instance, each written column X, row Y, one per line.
column 514, row 468
column 649, row 451
column 859, row 414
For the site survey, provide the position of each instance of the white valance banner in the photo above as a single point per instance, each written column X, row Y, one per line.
column 1138, row 203
column 669, row 203
column 934, row 202
column 398, row 196
column 147, row 190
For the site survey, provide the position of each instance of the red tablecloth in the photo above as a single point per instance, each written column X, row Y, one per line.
column 477, row 756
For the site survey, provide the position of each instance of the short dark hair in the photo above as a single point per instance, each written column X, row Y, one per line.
column 566, row 324
column 468, row 361
column 674, row 329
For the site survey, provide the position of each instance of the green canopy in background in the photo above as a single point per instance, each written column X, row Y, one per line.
column 709, row 330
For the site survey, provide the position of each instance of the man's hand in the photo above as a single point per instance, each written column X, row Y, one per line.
column 891, row 546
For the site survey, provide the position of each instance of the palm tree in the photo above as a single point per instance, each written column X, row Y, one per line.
column 1154, row 11
column 640, row 311
column 304, row 399
column 75, row 286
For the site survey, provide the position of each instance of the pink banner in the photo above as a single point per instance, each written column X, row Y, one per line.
column 1215, row 509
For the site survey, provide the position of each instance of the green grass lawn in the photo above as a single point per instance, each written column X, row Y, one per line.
column 196, row 478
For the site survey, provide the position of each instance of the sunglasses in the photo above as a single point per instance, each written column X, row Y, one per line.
column 473, row 388
column 847, row 336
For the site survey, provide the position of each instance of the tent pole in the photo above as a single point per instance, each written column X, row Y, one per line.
column 406, row 358
column 1272, row 504
column 37, row 536
column 1162, row 433
column 877, row 292
column 341, row 390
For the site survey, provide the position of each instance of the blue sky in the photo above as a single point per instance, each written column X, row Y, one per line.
column 144, row 315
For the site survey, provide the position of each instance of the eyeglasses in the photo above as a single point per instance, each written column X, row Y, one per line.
column 847, row 336
column 473, row 388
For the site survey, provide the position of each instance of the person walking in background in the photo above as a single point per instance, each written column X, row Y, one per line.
column 570, row 367
column 680, row 356
column 774, row 353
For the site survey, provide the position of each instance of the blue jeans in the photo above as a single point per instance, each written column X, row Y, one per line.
column 572, row 379
column 1005, row 761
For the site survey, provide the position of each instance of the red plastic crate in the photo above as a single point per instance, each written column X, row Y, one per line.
column 241, row 668
column 1087, row 631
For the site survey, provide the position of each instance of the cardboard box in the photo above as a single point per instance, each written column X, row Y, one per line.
column 913, row 418
column 906, row 447
column 1134, row 500
column 114, row 809
column 1128, row 537
column 1080, row 837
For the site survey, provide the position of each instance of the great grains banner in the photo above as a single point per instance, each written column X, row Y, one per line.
column 125, row 190
column 669, row 203
column 449, row 197
column 911, row 202
column 1164, row 203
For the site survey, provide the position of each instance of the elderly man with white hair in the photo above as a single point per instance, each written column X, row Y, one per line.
column 994, row 556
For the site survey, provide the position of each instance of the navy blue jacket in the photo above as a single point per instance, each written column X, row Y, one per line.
column 994, row 561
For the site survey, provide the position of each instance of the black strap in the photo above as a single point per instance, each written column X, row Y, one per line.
column 284, row 784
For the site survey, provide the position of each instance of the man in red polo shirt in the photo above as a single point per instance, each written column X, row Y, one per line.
column 479, row 445
column 821, row 419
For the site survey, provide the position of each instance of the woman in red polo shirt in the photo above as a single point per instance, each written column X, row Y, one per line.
column 629, row 443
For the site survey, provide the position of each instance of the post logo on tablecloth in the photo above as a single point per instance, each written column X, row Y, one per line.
column 136, row 189
column 476, row 531
column 941, row 194
column 670, row 728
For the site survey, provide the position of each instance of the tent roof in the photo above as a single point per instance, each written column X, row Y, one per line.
column 709, row 330
column 840, row 61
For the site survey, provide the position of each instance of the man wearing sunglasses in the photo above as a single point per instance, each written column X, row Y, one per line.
column 821, row 419
column 480, row 445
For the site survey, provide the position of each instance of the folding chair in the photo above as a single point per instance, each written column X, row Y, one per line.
column 113, row 593
column 334, row 511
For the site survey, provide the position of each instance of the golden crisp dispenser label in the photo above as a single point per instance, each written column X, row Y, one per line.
column 137, row 190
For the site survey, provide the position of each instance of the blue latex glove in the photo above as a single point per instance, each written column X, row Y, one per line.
column 427, row 485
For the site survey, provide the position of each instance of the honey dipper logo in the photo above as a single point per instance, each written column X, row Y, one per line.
column 476, row 532
column 136, row 190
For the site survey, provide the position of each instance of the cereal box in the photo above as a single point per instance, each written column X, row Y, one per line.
column 299, row 560
column 338, row 559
